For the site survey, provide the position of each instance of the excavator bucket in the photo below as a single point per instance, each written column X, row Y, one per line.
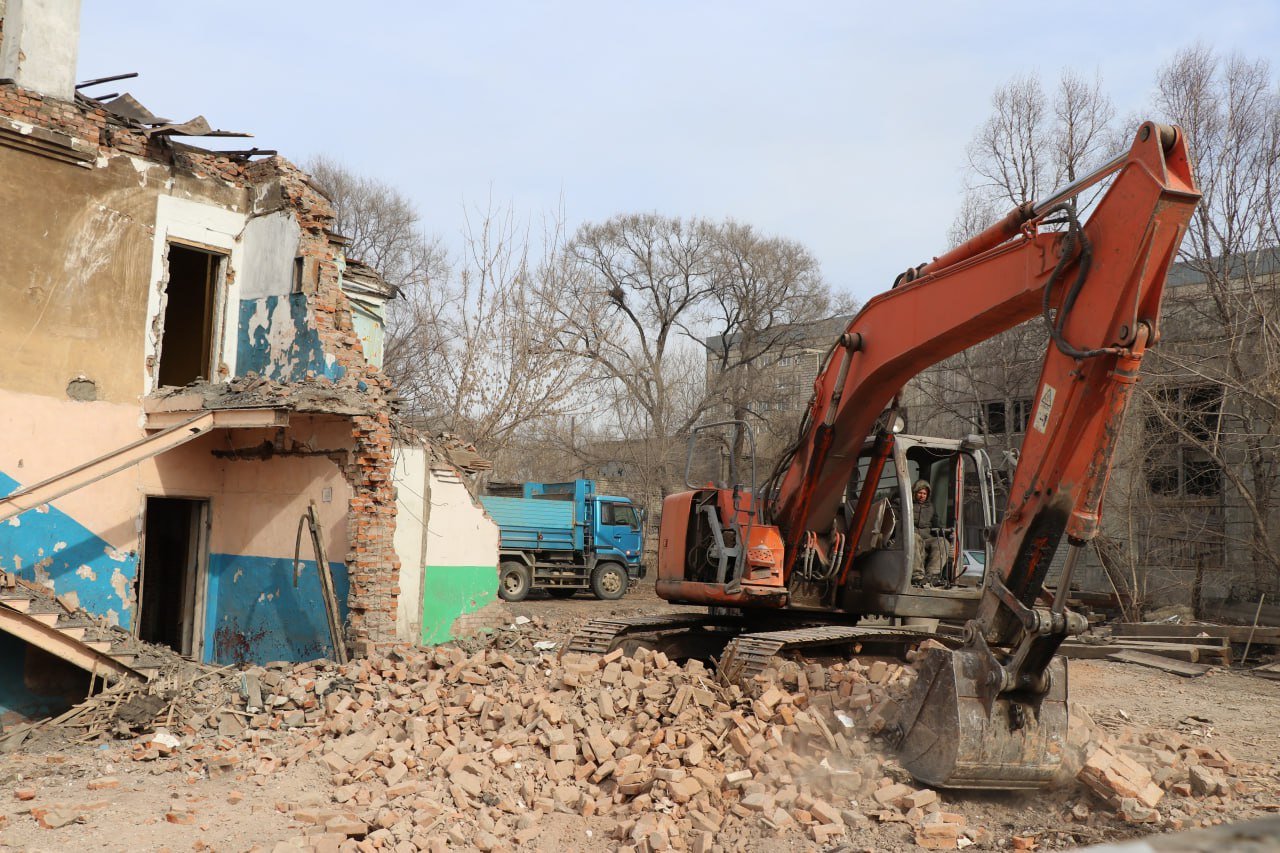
column 954, row 733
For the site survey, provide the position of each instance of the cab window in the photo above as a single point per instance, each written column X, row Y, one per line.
column 621, row 514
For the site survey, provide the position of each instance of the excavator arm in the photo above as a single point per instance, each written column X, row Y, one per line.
column 1009, row 274
column 993, row 714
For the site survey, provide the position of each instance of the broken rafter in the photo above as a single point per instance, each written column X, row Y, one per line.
column 113, row 78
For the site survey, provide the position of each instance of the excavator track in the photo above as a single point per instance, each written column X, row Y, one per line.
column 745, row 655
column 749, row 654
column 598, row 636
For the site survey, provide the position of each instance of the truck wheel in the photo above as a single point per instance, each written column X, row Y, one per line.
column 561, row 591
column 609, row 581
column 514, row 581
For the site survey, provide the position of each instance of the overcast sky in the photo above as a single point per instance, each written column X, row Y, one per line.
column 840, row 125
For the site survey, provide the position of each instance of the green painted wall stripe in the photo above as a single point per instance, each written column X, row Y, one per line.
column 452, row 591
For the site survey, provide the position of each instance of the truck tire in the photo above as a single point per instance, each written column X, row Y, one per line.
column 514, row 580
column 561, row 591
column 609, row 581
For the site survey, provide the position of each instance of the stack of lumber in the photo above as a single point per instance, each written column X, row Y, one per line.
column 1262, row 635
column 1179, row 648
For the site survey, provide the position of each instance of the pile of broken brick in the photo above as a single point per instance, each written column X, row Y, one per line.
column 494, row 745
column 1162, row 778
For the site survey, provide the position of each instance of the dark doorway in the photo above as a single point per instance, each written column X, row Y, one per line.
column 186, row 342
column 173, row 552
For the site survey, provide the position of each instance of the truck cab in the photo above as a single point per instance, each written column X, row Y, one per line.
column 565, row 537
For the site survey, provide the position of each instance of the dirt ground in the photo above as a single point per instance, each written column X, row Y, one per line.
column 124, row 804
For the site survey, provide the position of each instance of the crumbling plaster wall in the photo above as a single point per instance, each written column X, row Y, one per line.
column 448, row 549
column 253, row 611
column 86, row 279
column 72, row 273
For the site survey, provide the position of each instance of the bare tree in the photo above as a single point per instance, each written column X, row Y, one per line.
column 490, row 330
column 678, row 318
column 1032, row 143
column 380, row 222
column 766, row 294
column 467, row 338
column 627, row 309
column 1083, row 134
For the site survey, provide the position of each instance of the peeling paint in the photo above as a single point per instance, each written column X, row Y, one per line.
column 278, row 339
column 123, row 587
column 265, row 617
column 80, row 562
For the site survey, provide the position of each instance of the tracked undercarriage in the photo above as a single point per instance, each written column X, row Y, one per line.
column 740, row 647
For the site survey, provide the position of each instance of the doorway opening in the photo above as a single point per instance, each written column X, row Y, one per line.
column 187, row 348
column 170, row 590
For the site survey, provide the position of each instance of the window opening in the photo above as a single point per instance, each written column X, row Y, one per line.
column 191, row 300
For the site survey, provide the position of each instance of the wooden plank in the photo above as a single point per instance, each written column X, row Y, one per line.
column 1234, row 633
column 1088, row 651
column 1189, row 652
column 1177, row 667
column 1196, row 652
column 56, row 643
column 1207, row 642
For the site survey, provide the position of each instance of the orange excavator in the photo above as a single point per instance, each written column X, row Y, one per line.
column 833, row 536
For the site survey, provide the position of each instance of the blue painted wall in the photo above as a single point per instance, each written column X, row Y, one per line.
column 255, row 615
column 17, row 700
column 277, row 339
column 51, row 544
column 370, row 326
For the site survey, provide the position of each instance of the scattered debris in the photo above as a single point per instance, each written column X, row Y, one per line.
column 492, row 741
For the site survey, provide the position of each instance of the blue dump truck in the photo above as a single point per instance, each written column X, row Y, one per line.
column 565, row 537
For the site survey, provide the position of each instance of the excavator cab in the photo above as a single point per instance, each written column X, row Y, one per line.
column 906, row 564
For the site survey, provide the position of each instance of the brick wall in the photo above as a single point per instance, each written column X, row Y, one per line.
column 372, row 564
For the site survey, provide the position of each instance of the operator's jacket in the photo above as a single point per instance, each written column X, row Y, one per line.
column 924, row 517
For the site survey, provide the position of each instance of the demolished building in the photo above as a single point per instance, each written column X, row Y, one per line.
column 192, row 364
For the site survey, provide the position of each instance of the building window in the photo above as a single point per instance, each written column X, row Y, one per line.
column 1004, row 417
column 1181, row 423
column 188, row 341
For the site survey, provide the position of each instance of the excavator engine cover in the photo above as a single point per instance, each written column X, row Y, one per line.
column 954, row 733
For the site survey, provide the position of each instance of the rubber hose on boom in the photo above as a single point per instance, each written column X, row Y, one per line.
column 1084, row 257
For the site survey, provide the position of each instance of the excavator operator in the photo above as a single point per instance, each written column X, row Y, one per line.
column 931, row 549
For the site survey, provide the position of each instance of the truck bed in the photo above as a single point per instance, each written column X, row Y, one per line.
column 530, row 524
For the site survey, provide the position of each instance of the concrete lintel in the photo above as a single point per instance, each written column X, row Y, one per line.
column 223, row 418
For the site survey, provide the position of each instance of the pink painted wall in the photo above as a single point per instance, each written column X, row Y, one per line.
column 89, row 542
